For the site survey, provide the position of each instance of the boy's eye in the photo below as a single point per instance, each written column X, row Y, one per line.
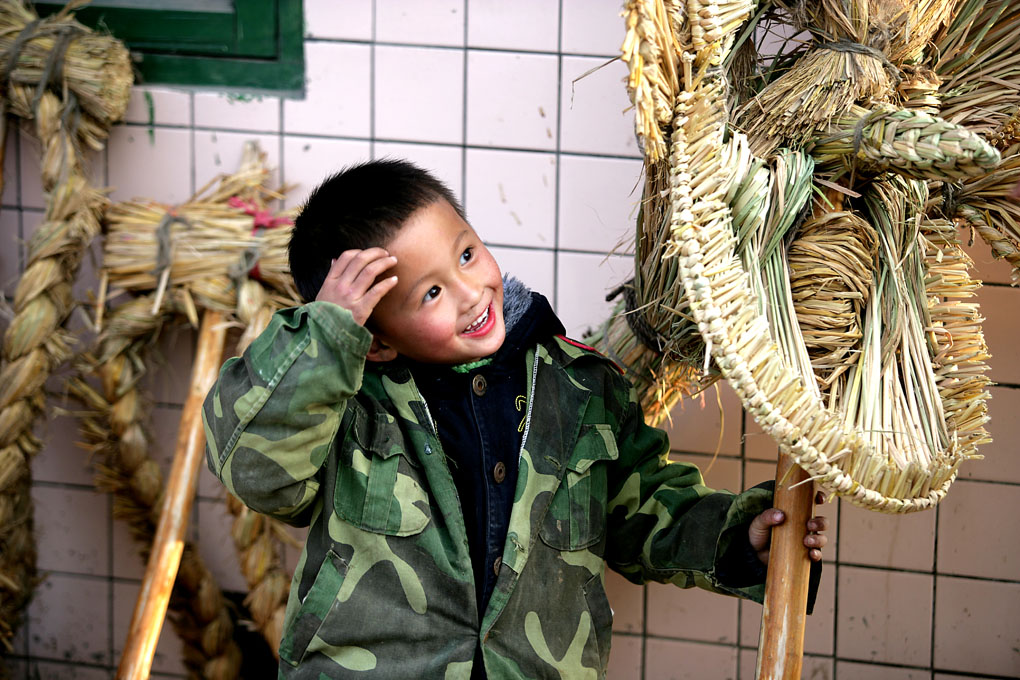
column 431, row 294
column 466, row 256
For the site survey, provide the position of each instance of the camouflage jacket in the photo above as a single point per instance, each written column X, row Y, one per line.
column 301, row 429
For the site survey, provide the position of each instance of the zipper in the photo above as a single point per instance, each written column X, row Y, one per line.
column 531, row 402
column 432, row 423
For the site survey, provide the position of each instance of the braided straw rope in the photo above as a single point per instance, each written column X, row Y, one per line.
column 986, row 204
column 72, row 98
column 197, row 255
column 257, row 537
column 115, row 428
column 908, row 141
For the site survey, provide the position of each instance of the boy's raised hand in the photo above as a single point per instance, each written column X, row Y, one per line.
column 351, row 281
column 759, row 533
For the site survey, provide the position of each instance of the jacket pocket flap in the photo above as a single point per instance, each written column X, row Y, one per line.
column 595, row 442
column 377, row 432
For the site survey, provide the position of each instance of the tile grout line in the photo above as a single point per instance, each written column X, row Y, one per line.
column 559, row 166
column 464, row 112
column 371, row 82
column 481, row 48
column 396, row 140
column 26, row 625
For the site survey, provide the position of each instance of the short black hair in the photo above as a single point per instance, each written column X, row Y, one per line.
column 360, row 207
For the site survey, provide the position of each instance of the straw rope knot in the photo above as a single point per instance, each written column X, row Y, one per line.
column 164, row 241
column 951, row 198
column 263, row 219
column 844, row 45
column 643, row 331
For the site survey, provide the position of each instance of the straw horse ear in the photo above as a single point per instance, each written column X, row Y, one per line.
column 379, row 351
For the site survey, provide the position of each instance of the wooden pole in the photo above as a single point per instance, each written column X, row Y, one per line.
column 168, row 544
column 781, row 645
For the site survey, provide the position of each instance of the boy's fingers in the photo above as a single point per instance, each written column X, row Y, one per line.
column 371, row 271
column 819, row 523
column 816, row 540
column 759, row 532
column 377, row 292
column 339, row 264
column 350, row 263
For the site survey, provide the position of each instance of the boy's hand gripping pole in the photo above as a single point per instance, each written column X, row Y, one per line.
column 781, row 645
column 167, row 546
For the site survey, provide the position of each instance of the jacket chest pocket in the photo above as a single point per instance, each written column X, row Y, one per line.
column 577, row 515
column 378, row 487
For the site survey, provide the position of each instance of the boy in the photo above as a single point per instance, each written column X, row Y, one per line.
column 465, row 469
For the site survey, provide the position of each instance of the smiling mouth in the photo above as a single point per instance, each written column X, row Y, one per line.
column 479, row 322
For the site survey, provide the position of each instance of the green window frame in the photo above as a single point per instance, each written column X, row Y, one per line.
column 227, row 44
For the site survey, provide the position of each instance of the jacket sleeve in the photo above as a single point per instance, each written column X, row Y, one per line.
column 271, row 417
column 665, row 525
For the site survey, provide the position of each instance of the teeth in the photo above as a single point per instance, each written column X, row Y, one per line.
column 478, row 322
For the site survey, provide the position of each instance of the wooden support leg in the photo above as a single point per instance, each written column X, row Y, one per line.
column 165, row 558
column 781, row 645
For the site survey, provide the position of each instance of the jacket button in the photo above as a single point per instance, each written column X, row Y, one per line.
column 496, row 564
column 478, row 384
column 499, row 472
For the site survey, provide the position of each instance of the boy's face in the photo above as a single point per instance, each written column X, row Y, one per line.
column 447, row 305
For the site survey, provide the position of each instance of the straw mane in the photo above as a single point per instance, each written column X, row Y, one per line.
column 803, row 246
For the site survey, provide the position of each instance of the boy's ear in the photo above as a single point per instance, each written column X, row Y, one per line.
column 379, row 351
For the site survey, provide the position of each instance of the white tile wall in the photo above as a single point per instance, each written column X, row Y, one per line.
column 412, row 22
column 596, row 115
column 151, row 105
column 29, row 153
column 512, row 100
column 68, row 619
column 599, row 200
column 259, row 113
column 12, row 251
column 72, row 536
column 337, row 92
column 592, row 27
column 515, row 191
column 419, row 94
column 151, row 162
column 339, row 19
column 520, row 25
column 12, row 178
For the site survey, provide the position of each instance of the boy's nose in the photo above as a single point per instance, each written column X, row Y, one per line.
column 471, row 291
